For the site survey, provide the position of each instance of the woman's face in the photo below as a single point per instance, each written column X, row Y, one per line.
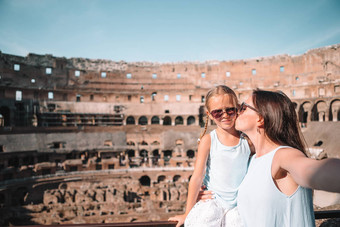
column 222, row 111
column 248, row 118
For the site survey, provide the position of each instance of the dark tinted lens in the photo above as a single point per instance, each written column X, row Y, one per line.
column 231, row 111
column 216, row 113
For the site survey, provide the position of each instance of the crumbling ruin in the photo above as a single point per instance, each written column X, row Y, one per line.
column 95, row 141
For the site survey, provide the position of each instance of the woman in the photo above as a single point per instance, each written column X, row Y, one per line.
column 276, row 189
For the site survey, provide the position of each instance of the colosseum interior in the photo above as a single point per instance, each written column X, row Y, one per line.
column 98, row 141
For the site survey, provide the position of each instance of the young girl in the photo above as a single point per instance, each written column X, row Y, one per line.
column 221, row 164
column 276, row 190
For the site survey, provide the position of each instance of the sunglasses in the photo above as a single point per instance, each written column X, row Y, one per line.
column 244, row 106
column 231, row 111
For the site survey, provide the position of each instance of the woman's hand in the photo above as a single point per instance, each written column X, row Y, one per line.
column 204, row 194
column 179, row 218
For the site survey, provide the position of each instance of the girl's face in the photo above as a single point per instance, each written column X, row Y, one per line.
column 248, row 117
column 222, row 110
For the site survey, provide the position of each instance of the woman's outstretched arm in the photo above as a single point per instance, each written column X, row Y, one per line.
column 317, row 174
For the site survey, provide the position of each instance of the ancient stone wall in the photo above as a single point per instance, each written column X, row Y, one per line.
column 91, row 141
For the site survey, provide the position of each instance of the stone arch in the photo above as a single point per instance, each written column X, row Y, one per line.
column 155, row 120
column 303, row 113
column 334, row 112
column 167, row 153
column 155, row 143
column 161, row 178
column 131, row 153
column 319, row 111
column 143, row 142
column 191, row 120
column 6, row 115
column 167, row 120
column 155, row 153
column 190, row 153
column 145, row 180
column 176, row 178
column 142, row 120
column 144, row 154
column 179, row 120
column 130, row 143
column 130, row 120
column 155, row 157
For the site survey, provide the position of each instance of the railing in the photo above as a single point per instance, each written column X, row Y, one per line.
column 118, row 224
column 325, row 214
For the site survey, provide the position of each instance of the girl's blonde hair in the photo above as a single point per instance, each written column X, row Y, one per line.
column 218, row 90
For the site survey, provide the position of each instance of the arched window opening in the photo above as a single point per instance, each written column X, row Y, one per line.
column 334, row 112
column 190, row 154
column 145, row 180
column 167, row 120
column 179, row 120
column 143, row 153
column 130, row 153
column 319, row 111
column 303, row 113
column 142, row 120
column 143, row 143
column 167, row 153
column 155, row 142
column 155, row 153
column 191, row 120
column 130, row 143
column 176, row 178
column 161, row 178
column 130, row 120
column 155, row 120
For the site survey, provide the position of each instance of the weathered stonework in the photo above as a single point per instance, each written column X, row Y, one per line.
column 92, row 141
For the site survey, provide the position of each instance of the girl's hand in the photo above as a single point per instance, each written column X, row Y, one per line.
column 179, row 218
column 204, row 194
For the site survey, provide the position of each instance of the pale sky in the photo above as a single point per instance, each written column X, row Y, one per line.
column 167, row 30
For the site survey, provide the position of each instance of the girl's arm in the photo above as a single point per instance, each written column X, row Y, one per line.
column 196, row 178
column 317, row 174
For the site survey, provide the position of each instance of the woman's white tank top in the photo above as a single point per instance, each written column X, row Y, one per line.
column 261, row 204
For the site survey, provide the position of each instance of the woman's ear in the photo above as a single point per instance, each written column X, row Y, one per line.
column 260, row 122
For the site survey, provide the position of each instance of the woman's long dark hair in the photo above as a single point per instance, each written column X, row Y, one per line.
column 280, row 119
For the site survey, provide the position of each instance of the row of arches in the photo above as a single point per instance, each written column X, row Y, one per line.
column 156, row 153
column 319, row 111
column 156, row 120
column 145, row 180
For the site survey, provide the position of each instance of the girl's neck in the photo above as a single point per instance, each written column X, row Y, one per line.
column 228, row 132
column 229, row 137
